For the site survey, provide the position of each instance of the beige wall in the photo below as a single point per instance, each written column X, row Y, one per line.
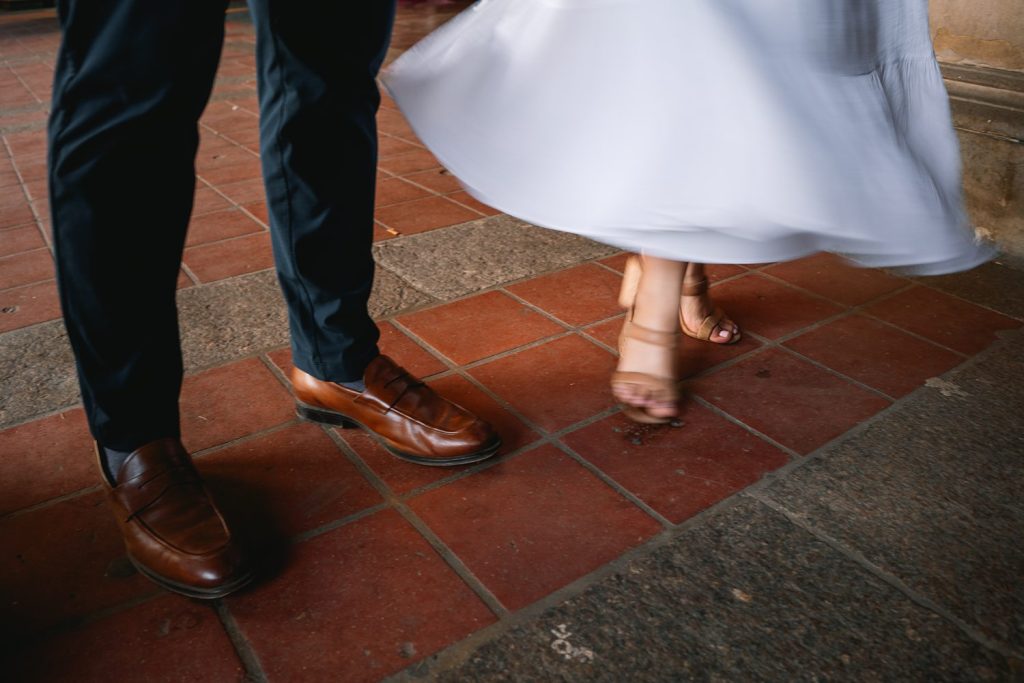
column 981, row 32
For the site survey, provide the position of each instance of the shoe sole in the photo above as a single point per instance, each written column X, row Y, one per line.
column 192, row 591
column 330, row 417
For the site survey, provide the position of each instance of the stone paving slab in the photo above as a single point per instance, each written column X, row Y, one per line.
column 456, row 261
column 743, row 596
column 37, row 372
column 245, row 315
column 933, row 493
column 997, row 285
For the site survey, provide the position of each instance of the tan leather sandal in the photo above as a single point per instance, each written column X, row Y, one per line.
column 653, row 388
column 710, row 322
column 627, row 295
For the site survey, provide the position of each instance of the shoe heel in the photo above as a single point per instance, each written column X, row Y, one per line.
column 323, row 416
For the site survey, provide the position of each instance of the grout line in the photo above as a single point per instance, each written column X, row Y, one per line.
column 189, row 274
column 310, row 534
column 614, row 485
column 837, row 374
column 454, row 561
column 280, row 427
column 858, row 558
column 246, row 654
column 71, row 495
column 27, row 87
column 793, row 455
column 924, row 283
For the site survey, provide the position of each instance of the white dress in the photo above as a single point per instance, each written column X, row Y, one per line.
column 720, row 131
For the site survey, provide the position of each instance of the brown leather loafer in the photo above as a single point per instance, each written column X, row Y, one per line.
column 174, row 534
column 407, row 417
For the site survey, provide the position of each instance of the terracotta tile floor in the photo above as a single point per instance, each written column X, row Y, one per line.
column 377, row 563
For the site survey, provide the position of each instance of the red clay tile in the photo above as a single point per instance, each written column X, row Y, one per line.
column 17, row 240
column 391, row 122
column 219, row 225
column 720, row 271
column 412, row 161
column 424, row 214
column 514, row 434
column 532, row 524
column 207, row 201
column 13, row 215
column 944, row 319
column 9, row 179
column 834, row 278
column 555, row 384
column 678, row 471
column 31, row 168
column 26, row 268
column 44, row 459
column 389, row 146
column 395, row 191
column 480, row 326
column 380, row 233
column 768, row 308
column 184, row 281
column 28, row 305
column 617, row 262
column 38, row 191
column 577, row 296
column 791, row 401
column 438, row 180
column 294, row 479
column 876, row 354
column 64, row 561
column 232, row 257
column 464, row 198
column 408, row 353
column 217, row 153
column 359, row 603
column 144, row 643
column 244, row 191
column 697, row 356
column 230, row 402
column 282, row 358
column 26, row 143
column 607, row 332
column 260, row 212
column 245, row 170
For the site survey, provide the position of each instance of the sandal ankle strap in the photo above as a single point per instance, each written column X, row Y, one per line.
column 645, row 334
